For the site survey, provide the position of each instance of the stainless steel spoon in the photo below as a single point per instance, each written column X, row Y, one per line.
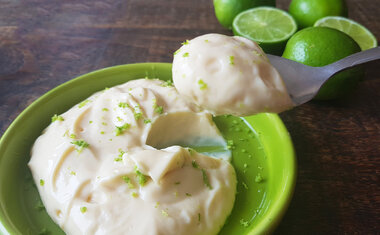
column 303, row 82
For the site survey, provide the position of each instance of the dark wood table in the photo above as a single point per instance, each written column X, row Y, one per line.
column 44, row 43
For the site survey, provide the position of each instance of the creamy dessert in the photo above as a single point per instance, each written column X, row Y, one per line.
column 114, row 164
column 111, row 165
column 228, row 75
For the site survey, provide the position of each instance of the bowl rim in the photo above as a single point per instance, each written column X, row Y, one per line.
column 278, row 208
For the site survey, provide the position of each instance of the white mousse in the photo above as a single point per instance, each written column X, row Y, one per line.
column 228, row 75
column 107, row 165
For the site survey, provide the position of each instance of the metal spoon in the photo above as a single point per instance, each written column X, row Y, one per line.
column 303, row 82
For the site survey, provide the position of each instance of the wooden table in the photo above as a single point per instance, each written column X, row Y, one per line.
column 44, row 43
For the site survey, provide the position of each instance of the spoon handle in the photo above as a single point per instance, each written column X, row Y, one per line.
column 354, row 60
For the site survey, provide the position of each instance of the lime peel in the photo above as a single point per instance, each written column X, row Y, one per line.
column 358, row 32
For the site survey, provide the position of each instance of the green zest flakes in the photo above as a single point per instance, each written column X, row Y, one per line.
column 158, row 109
column 83, row 103
column 167, row 83
column 127, row 180
column 195, row 164
column 164, row 213
column 73, row 136
column 57, row 118
column 81, row 144
column 138, row 116
column 134, row 194
column 119, row 158
column 232, row 60
column 66, row 133
column 186, row 54
column 42, row 182
column 185, row 42
column 146, row 121
column 73, row 173
column 120, row 129
column 83, row 209
column 105, row 109
column 245, row 185
column 123, row 105
column 244, row 223
column 205, row 179
column 176, row 52
column 202, row 84
column 137, row 113
column 230, row 144
column 188, row 194
column 204, row 174
column 141, row 177
column 258, row 178
column 256, row 53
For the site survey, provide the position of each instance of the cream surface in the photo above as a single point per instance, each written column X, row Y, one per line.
column 110, row 165
column 228, row 75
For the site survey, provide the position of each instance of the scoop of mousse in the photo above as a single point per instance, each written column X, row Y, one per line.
column 228, row 75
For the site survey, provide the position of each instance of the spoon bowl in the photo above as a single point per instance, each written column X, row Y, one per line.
column 303, row 82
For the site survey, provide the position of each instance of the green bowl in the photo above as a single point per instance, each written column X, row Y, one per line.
column 263, row 157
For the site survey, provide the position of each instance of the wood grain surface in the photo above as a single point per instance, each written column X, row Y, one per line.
column 44, row 43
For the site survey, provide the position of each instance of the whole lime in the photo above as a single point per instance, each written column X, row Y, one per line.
column 320, row 46
column 307, row 12
column 226, row 10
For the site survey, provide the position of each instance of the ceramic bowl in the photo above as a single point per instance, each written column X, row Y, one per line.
column 265, row 165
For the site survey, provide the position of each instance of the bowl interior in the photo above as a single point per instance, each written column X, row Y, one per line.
column 262, row 152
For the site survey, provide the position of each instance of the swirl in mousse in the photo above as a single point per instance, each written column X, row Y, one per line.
column 114, row 164
column 228, row 75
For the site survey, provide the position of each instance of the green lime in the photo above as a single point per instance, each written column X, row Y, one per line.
column 269, row 27
column 307, row 12
column 226, row 10
column 358, row 32
column 320, row 46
